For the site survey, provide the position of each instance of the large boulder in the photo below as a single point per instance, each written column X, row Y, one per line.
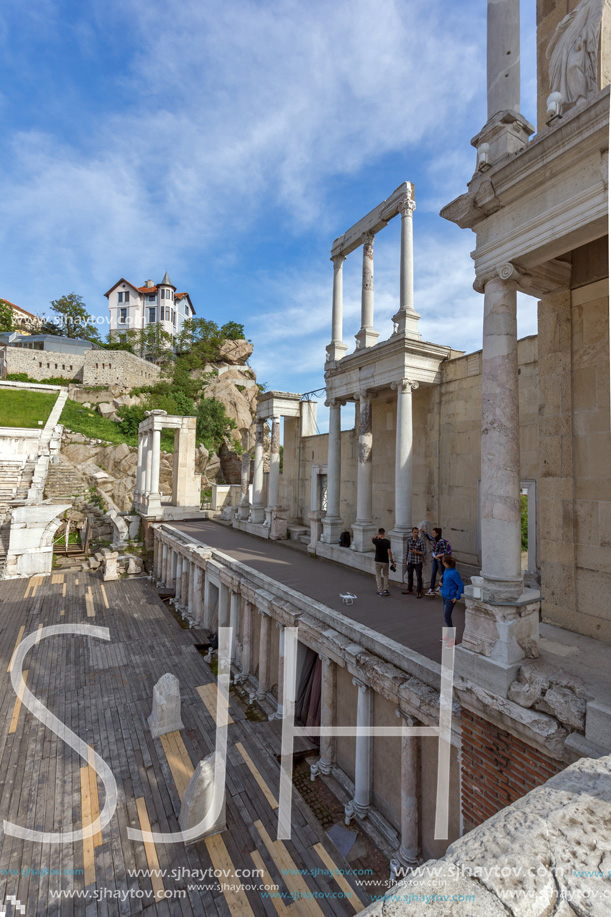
column 235, row 351
column 105, row 408
column 236, row 405
column 80, row 453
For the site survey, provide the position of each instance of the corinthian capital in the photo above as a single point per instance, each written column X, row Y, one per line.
column 407, row 206
column 404, row 385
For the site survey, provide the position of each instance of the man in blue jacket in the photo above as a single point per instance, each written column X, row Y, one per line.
column 452, row 587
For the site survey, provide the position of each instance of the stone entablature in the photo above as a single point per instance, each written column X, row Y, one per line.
column 95, row 367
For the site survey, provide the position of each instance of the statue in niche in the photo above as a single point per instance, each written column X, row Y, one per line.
column 574, row 53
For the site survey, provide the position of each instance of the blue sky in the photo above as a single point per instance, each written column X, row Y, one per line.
column 230, row 142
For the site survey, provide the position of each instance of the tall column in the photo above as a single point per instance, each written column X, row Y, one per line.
column 155, row 460
column 503, row 56
column 274, row 464
column 264, row 654
column 244, row 507
column 360, row 805
column 328, row 714
column 223, row 614
column 407, row 317
column 404, row 438
column 409, row 850
column 332, row 522
column 197, row 592
column 336, row 349
column 277, row 715
column 257, row 510
column 207, row 602
column 184, row 589
column 148, row 463
column 234, row 620
column 367, row 336
column 363, row 529
column 140, row 467
column 500, row 475
column 190, row 603
column 247, row 638
column 178, row 579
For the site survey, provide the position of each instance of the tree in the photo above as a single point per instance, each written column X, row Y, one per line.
column 213, row 425
column 73, row 319
column 233, row 331
column 154, row 343
column 6, row 316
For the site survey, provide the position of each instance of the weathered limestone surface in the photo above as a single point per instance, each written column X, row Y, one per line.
column 526, row 859
column 165, row 716
column 236, row 352
column 199, row 799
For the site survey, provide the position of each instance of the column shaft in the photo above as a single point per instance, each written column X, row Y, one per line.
column 410, row 769
column 332, row 523
column 148, row 463
column 178, row 578
column 140, row 467
column 244, row 508
column 274, row 464
column 247, row 638
column 328, row 714
column 363, row 529
column 155, row 461
column 207, row 602
column 234, row 620
column 197, row 593
column 407, row 317
column 264, row 654
column 223, row 615
column 503, row 56
column 337, row 348
column 367, row 336
column 257, row 512
column 361, row 803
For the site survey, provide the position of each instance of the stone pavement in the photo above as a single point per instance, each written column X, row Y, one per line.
column 413, row 622
column 102, row 691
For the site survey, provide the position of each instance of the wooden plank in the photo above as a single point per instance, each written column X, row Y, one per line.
column 17, row 707
column 150, row 851
column 339, row 878
column 88, row 855
column 64, row 591
column 17, row 642
column 94, row 798
column 104, row 596
column 278, row 903
column 89, row 603
column 290, row 873
column 209, row 695
column 252, row 767
column 237, row 902
column 181, row 770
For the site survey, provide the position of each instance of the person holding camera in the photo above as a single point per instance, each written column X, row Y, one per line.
column 414, row 558
column 383, row 559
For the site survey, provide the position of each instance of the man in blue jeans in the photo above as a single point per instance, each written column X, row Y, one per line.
column 452, row 587
column 440, row 548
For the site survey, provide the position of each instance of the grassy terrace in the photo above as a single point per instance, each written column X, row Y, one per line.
column 87, row 421
column 22, row 408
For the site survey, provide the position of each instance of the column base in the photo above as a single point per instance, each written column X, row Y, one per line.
column 336, row 350
column 402, row 864
column 331, row 530
column 398, row 540
column 150, row 504
column 355, row 809
column 320, row 767
column 407, row 324
column 257, row 515
column 244, row 511
column 500, row 589
column 505, row 132
column 362, row 533
column 277, row 714
column 366, row 337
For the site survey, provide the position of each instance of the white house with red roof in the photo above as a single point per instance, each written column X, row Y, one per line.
column 23, row 321
column 133, row 308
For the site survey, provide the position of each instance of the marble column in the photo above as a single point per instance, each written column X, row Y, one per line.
column 186, row 579
column 257, row 510
column 207, row 621
column 190, row 603
column 274, row 465
column 140, row 466
column 332, row 524
column 234, row 620
column 503, row 56
column 178, row 579
column 247, row 638
column 155, row 461
column 364, row 529
column 360, row 805
column 244, row 507
column 223, row 614
column 500, row 475
column 277, row 715
column 263, row 654
column 407, row 317
column 148, row 463
column 367, row 336
column 328, row 715
column 404, row 438
column 164, row 563
column 410, row 775
column 197, row 592
column 336, row 349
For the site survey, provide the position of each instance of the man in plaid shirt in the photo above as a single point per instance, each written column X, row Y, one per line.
column 414, row 559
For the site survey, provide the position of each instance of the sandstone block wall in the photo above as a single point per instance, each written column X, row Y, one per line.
column 96, row 367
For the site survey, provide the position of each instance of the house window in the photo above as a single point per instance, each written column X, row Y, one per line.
column 120, row 297
column 122, row 316
column 152, row 315
column 173, row 317
column 163, row 294
column 163, row 313
column 151, row 298
column 127, row 296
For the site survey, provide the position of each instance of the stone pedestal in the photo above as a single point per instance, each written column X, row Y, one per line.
column 111, row 571
column 279, row 523
column 204, row 794
column 316, row 519
column 165, row 716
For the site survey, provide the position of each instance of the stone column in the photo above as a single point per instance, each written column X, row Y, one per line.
column 263, row 654
column 257, row 510
column 155, row 460
column 360, row 805
column 407, row 317
column 190, row 603
column 140, row 467
column 234, row 620
column 197, row 592
column 404, row 438
column 277, row 715
column 207, row 602
column 244, row 507
column 363, row 529
column 274, row 465
column 148, row 459
column 247, row 638
column 328, row 714
column 223, row 615
column 502, row 618
column 410, row 775
column 332, row 523
column 367, row 336
column 336, row 349
column 178, row 579
column 503, row 56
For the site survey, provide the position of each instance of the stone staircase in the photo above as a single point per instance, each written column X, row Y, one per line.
column 64, row 481
column 15, row 480
column 5, row 526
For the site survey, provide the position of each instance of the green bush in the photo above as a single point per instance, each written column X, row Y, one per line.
column 213, row 425
column 524, row 520
column 18, row 377
column 130, row 418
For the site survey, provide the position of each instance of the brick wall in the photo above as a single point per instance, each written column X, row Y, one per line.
column 95, row 367
column 497, row 769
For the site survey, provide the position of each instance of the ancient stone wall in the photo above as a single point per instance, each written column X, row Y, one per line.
column 96, row 367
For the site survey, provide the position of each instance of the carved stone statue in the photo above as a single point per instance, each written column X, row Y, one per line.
column 574, row 53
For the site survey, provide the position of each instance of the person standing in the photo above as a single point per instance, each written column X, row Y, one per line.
column 441, row 547
column 383, row 558
column 452, row 587
column 414, row 559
